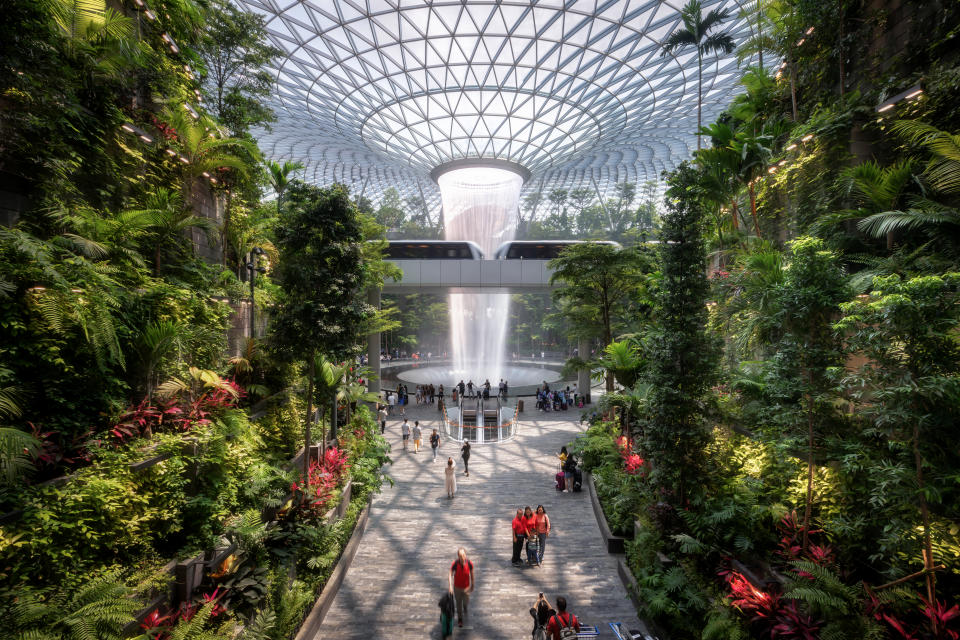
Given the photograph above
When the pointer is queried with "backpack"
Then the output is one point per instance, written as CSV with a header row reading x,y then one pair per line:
x,y
570,463
567,632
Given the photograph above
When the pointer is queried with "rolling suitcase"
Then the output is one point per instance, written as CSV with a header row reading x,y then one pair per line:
x,y
559,480
577,479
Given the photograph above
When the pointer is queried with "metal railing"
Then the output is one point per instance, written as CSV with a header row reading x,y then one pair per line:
x,y
479,420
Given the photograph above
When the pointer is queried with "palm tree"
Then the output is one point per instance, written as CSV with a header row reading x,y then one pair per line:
x,y
203,154
279,177
168,220
781,37
696,32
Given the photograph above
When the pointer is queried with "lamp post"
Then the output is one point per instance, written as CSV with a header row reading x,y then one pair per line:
x,y
253,268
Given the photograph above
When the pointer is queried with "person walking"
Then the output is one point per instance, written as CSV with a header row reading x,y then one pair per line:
x,y
391,402
416,436
460,583
434,443
450,480
382,414
563,625
405,430
543,530
465,454
530,527
519,528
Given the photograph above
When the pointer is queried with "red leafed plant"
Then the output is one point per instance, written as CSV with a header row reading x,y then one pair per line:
x,y
632,462
158,625
777,617
54,455
946,619
322,479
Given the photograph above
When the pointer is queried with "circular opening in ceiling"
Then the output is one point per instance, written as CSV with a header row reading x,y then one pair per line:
x,y
480,163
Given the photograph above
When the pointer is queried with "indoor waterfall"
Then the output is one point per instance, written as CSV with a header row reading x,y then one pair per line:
x,y
480,205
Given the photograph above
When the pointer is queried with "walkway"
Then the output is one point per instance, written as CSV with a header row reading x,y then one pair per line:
x,y
399,572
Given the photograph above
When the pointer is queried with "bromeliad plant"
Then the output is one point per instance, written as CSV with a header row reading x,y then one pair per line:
x,y
322,480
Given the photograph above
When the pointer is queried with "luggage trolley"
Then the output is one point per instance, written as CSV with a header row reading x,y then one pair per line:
x,y
622,633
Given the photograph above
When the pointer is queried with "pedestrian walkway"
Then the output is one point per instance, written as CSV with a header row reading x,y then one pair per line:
x,y
400,570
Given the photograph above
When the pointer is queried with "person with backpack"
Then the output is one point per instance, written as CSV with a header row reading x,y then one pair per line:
x,y
460,583
434,443
563,625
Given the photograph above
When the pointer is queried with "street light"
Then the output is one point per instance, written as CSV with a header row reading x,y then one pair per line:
x,y
253,268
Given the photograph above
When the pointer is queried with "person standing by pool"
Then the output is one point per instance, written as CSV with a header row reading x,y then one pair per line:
x,y
543,530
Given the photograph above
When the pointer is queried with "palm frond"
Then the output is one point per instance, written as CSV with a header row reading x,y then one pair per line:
x,y
880,224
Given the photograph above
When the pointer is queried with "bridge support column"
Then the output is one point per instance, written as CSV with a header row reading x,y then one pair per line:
x,y
583,376
373,347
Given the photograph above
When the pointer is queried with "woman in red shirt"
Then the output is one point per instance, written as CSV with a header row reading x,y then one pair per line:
x,y
530,523
519,527
543,530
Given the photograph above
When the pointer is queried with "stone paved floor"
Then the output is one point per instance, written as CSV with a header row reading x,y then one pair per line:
x,y
399,572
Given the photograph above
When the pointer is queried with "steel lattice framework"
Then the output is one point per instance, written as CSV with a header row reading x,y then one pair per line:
x,y
376,93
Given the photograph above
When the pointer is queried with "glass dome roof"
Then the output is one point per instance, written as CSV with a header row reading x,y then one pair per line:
x,y
377,93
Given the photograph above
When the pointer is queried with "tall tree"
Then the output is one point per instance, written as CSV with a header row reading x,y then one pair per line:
x,y
279,176
907,330
601,282
319,312
682,354
696,33
236,59
809,302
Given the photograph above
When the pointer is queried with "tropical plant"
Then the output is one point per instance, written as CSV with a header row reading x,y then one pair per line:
x,y
683,356
99,609
17,448
696,32
601,283
906,329
279,176
783,30
167,221
320,237
623,359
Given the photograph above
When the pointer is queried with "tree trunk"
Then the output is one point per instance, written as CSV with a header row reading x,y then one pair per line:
x,y
307,434
793,89
808,507
931,578
760,33
736,214
843,75
700,92
226,227
753,208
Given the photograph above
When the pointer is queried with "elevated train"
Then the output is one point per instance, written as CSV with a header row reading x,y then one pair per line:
x,y
465,250
539,249
433,250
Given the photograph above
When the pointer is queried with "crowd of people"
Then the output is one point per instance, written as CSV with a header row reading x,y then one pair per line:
x,y
558,399
530,528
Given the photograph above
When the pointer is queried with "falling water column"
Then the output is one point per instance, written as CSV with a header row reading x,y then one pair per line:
x,y
480,205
